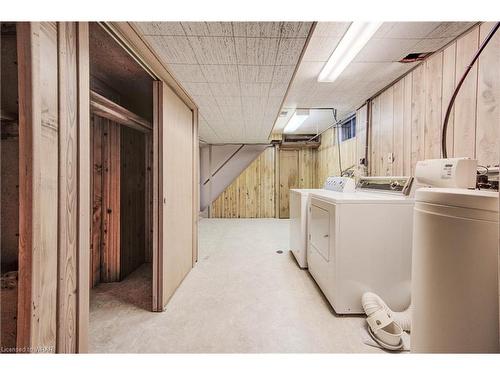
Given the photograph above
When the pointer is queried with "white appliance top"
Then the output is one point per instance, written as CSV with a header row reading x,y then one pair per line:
x,y
362,197
305,191
464,198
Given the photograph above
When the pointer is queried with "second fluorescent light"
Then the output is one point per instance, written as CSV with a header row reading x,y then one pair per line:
x,y
297,119
356,37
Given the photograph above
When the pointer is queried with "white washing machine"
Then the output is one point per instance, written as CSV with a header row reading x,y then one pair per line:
x,y
299,202
360,242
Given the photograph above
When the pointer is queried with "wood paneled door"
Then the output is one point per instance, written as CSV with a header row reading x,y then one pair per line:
x,y
174,195
288,179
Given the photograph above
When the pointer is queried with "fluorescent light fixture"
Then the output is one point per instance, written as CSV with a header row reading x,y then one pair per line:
x,y
356,37
297,119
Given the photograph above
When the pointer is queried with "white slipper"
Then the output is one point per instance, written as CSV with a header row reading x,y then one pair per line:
x,y
384,330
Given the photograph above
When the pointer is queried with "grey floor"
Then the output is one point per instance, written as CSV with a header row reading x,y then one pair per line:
x,y
241,297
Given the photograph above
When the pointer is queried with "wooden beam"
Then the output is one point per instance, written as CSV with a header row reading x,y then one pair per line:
x,y
67,281
104,107
84,191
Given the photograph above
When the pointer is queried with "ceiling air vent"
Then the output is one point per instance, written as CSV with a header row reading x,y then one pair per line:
x,y
412,57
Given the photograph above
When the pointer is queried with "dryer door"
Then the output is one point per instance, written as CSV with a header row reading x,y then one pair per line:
x,y
320,229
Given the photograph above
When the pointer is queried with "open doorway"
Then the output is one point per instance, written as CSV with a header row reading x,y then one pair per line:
x,y
121,187
10,187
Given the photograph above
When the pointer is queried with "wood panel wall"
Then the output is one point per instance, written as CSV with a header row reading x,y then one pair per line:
x,y
252,194
132,200
327,158
407,117
261,190
54,186
106,159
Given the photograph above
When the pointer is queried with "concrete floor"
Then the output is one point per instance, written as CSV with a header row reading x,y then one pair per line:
x,y
242,297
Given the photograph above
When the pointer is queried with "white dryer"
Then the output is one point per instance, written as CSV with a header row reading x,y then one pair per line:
x,y
299,203
361,241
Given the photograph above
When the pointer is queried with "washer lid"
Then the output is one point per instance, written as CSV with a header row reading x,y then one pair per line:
x,y
466,198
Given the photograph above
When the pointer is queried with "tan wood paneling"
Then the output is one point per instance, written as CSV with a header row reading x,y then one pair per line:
x,y
84,187
465,103
132,200
54,187
252,193
375,138
488,99
433,90
110,247
97,199
29,117
398,129
38,131
473,125
68,179
386,132
289,179
361,134
177,184
407,107
307,162
267,184
417,115
449,56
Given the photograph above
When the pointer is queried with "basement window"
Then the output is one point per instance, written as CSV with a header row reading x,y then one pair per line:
x,y
348,128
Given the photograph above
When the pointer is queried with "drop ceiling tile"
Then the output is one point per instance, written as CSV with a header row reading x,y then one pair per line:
x,y
208,28
213,50
255,73
320,48
256,51
289,50
295,29
212,116
206,102
187,72
450,29
197,88
278,89
406,30
255,89
206,133
254,103
386,50
283,74
220,73
160,28
173,49
308,71
228,101
431,45
328,29
225,89
257,29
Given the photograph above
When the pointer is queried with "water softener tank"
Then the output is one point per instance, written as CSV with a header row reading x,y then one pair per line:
x,y
455,271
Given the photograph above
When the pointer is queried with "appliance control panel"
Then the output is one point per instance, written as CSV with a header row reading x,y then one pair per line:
x,y
340,184
391,184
